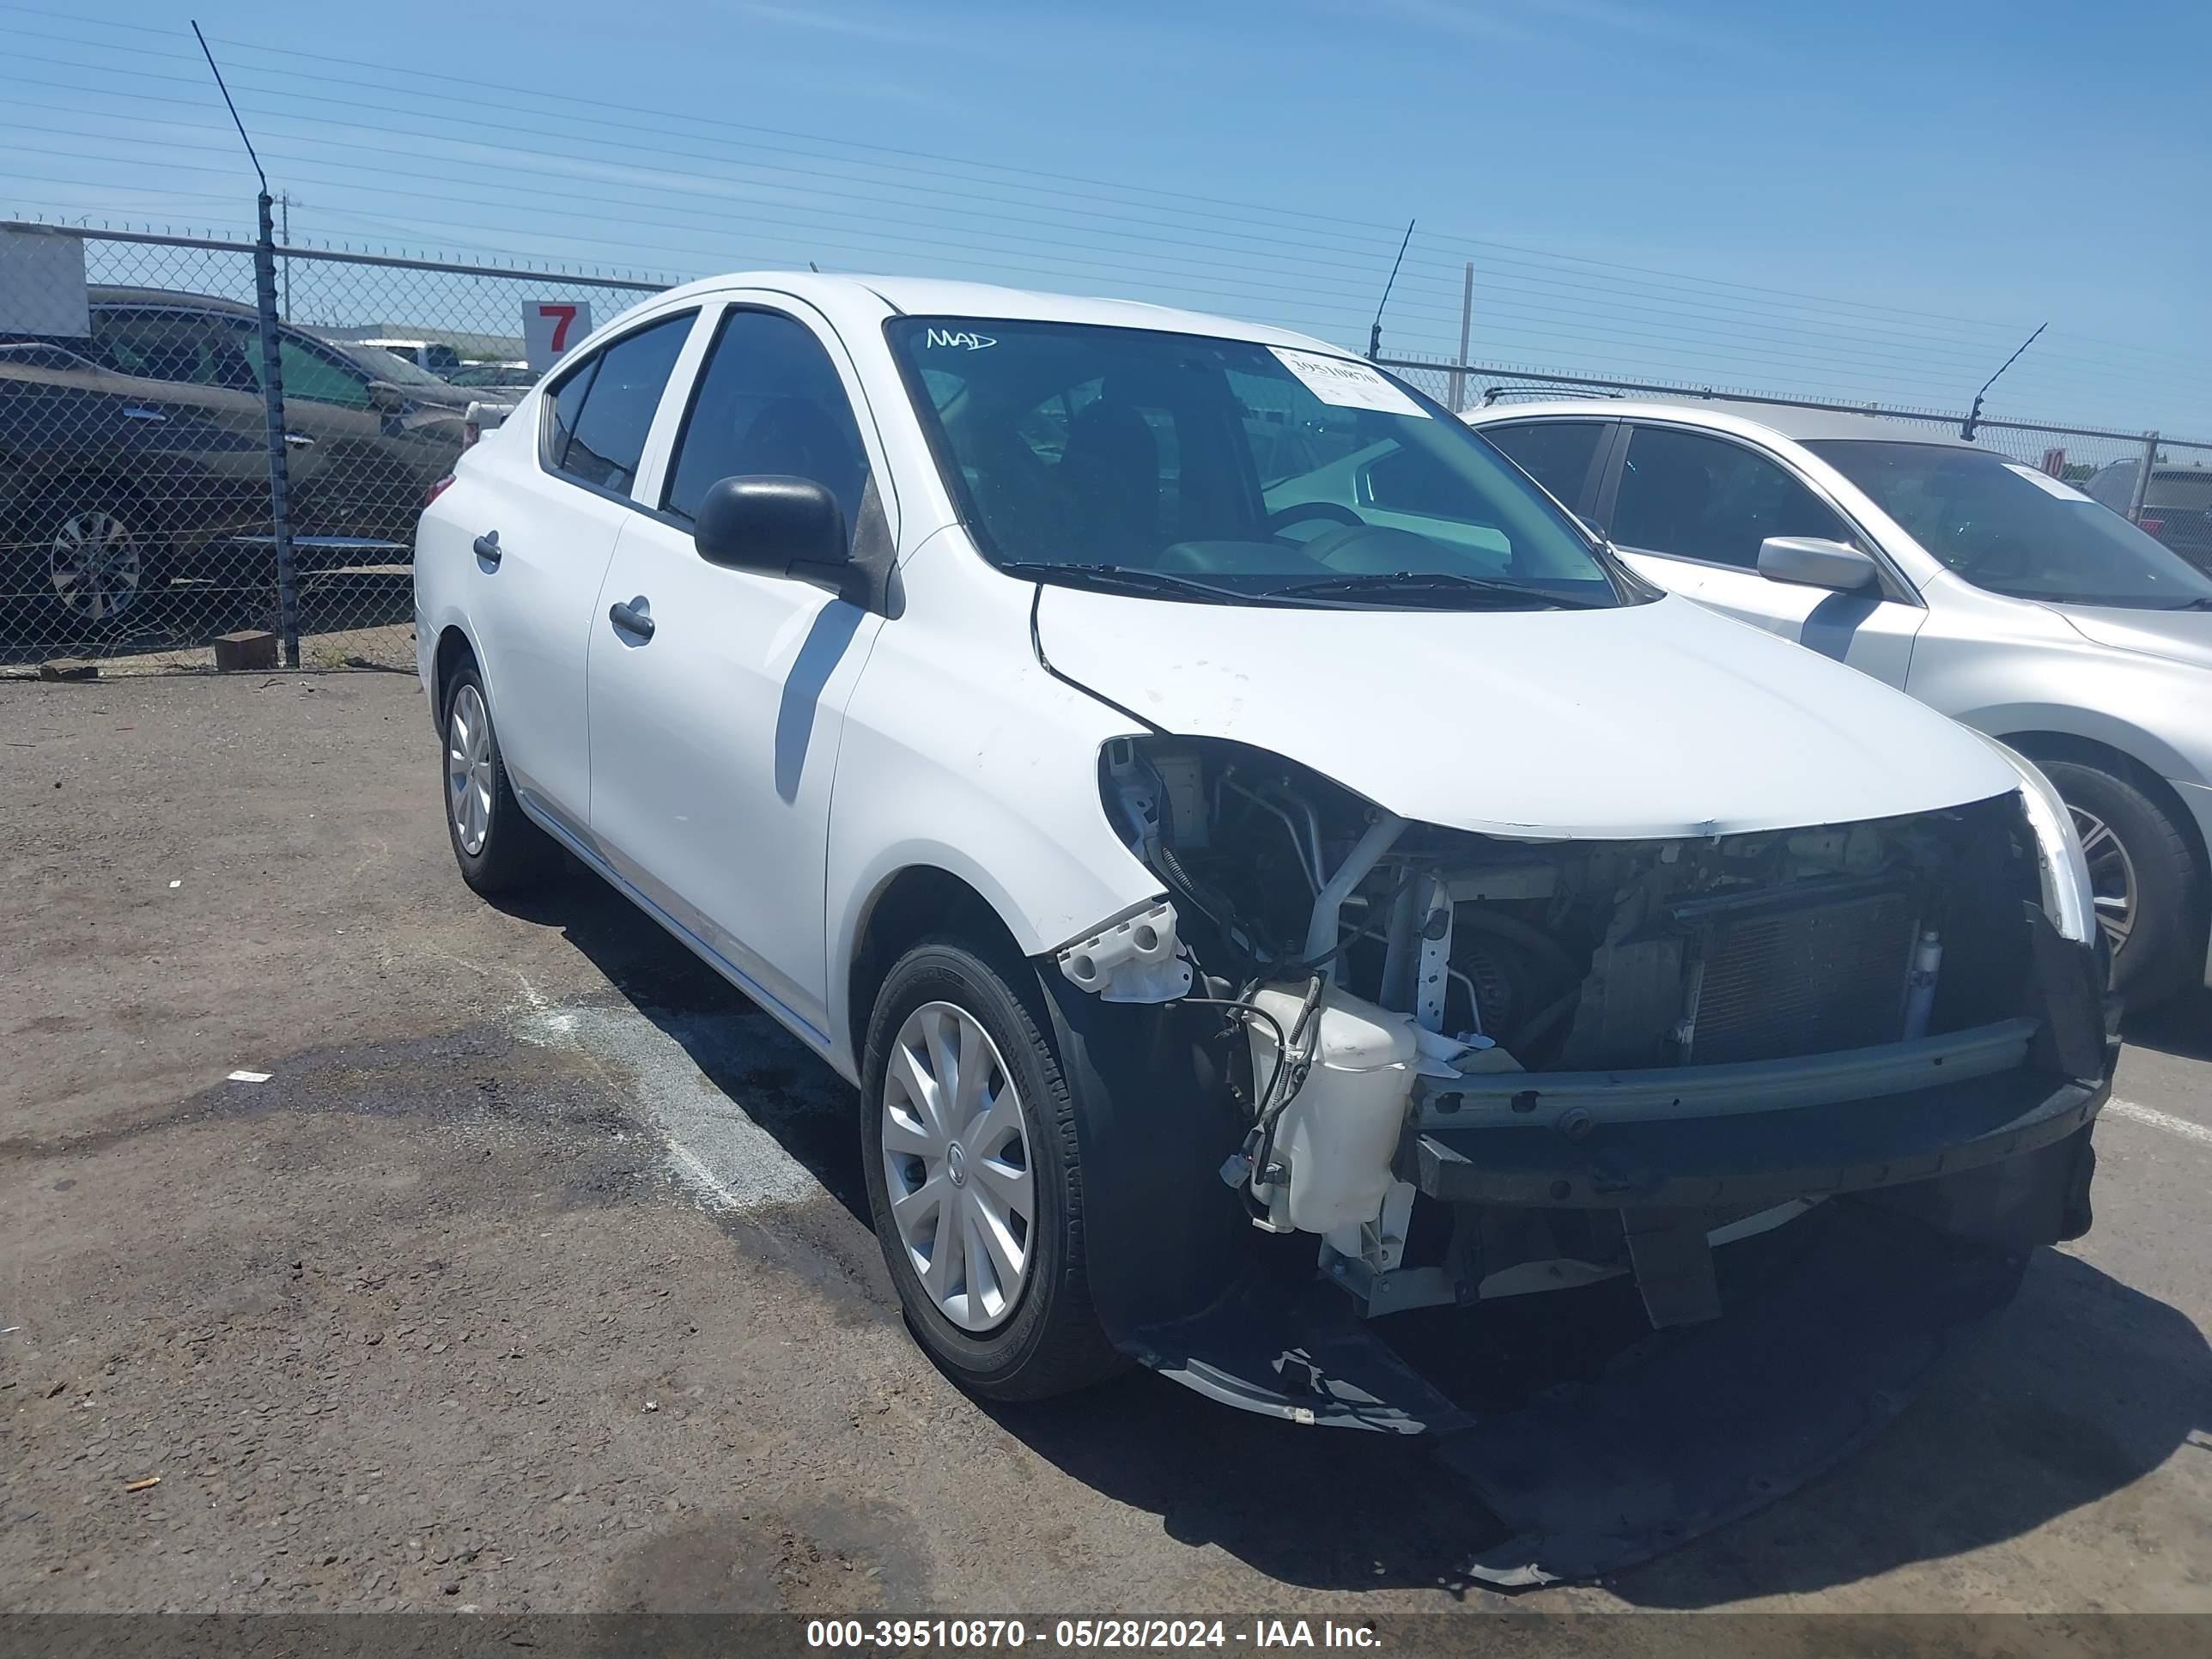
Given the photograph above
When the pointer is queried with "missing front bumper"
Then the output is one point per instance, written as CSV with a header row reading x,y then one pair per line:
x,y
1573,1147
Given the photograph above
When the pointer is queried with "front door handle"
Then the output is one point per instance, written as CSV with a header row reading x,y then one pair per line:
x,y
631,618
299,441
487,547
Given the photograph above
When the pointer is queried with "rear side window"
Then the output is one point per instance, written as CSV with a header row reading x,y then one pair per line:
x,y
598,416
1557,454
1700,497
191,347
769,401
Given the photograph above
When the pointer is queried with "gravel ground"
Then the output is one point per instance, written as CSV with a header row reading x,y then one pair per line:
x,y
532,1278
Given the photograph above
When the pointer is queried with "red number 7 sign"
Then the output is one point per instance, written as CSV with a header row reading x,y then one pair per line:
x,y
549,327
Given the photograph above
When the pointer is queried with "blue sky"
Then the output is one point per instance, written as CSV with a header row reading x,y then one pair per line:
x,y
1611,166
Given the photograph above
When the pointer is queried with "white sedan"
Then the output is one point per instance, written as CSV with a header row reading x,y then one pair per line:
x,y
1221,815
2000,596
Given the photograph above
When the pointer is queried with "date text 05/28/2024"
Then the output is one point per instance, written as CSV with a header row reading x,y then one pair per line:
x,y
1069,1634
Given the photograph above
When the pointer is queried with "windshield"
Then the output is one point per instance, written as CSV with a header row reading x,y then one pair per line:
x,y
2012,530
389,365
1228,471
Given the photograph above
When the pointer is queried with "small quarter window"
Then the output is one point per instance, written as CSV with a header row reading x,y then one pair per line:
x,y
1557,454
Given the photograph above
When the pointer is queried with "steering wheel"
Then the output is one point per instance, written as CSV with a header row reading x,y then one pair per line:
x,y
1283,518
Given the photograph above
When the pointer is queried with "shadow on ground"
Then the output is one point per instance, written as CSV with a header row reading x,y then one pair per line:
x,y
2182,1028
2082,1387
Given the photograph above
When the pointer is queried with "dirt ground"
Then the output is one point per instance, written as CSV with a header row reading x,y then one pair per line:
x,y
532,1277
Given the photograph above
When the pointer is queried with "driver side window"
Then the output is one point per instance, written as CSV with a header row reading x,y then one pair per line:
x,y
1692,496
768,401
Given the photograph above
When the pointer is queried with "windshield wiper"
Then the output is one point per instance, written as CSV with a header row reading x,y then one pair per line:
x,y
1410,582
1132,579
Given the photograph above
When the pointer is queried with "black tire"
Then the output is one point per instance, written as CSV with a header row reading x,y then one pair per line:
x,y
2160,956
1050,1341
515,854
98,607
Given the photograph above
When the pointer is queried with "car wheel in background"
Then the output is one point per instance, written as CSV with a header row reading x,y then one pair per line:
x,y
87,556
499,849
969,1146
2144,870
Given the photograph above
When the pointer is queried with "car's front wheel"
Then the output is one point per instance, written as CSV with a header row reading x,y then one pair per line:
x,y
499,849
974,1174
2149,892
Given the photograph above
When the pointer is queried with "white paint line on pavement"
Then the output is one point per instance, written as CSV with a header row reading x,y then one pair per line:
x,y
692,1170
2158,1120
717,1150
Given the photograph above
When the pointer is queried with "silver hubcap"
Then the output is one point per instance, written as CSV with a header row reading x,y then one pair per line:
x,y
95,566
957,1165
468,769
2112,879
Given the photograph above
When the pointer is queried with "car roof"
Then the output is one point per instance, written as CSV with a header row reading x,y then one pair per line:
x,y
928,296
106,293
1741,418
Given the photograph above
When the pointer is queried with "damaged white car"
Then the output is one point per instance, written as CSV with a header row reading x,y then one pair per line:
x,y
1264,864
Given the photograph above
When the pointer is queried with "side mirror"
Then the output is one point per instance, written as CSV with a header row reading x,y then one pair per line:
x,y
777,526
1815,561
1595,529
386,399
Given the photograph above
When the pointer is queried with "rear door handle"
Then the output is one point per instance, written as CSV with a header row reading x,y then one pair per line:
x,y
630,619
137,414
299,441
488,547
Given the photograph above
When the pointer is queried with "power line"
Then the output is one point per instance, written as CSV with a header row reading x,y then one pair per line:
x,y
1056,180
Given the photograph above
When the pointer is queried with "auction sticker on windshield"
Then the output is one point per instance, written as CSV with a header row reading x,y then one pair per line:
x,y
1349,385
2048,485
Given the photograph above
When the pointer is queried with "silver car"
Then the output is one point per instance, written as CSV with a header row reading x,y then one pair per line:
x,y
1999,595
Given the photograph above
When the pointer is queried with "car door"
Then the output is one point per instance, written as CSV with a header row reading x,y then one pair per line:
x,y
548,528
718,695
370,470
1689,509
211,388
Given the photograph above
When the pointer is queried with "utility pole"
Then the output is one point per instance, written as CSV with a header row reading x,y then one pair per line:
x,y
1465,323
2143,470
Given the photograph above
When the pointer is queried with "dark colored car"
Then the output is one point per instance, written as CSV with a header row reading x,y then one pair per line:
x,y
2177,504
139,453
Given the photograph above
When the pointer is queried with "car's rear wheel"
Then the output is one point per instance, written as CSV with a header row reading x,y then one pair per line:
x,y
2142,869
87,555
498,848
974,1174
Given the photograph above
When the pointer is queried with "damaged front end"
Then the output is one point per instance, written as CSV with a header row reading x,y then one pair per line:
x,y
1470,1067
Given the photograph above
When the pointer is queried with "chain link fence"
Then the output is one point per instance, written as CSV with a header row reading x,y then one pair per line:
x,y
143,393
157,390
2164,484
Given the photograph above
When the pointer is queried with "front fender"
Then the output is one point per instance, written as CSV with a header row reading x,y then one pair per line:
x,y
960,753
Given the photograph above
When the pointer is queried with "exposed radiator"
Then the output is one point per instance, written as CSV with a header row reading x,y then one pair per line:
x,y
1803,975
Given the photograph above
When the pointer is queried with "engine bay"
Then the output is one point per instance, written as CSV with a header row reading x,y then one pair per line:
x,y
1367,968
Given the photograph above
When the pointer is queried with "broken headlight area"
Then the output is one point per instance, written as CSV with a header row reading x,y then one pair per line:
x,y
1478,1067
